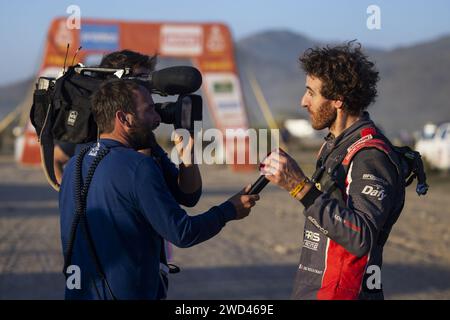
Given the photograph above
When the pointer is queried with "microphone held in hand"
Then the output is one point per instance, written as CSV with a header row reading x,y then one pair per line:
x,y
258,185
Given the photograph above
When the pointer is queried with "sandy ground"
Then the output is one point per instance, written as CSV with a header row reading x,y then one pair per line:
x,y
255,258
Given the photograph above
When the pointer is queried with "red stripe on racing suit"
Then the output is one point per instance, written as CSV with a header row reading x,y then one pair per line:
x,y
344,272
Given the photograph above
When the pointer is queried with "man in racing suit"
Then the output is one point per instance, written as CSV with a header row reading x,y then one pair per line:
x,y
357,191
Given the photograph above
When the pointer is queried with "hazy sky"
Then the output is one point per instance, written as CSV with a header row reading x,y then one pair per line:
x,y
23,24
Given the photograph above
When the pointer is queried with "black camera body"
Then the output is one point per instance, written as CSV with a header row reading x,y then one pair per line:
x,y
183,113
62,106
180,80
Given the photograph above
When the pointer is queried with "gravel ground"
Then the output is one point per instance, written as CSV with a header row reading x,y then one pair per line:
x,y
255,258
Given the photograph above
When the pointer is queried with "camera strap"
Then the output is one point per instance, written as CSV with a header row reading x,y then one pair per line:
x,y
81,190
42,118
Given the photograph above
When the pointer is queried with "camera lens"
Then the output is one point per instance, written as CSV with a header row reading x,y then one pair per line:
x,y
186,111
167,111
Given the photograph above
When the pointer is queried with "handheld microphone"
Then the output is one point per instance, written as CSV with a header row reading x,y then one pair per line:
x,y
176,80
258,185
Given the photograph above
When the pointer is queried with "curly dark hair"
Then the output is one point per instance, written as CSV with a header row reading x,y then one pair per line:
x,y
346,73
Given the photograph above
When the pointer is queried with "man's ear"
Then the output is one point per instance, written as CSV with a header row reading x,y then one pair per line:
x,y
123,119
338,104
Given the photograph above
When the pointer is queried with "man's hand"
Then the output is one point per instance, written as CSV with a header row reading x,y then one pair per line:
x,y
243,203
280,169
185,149
189,177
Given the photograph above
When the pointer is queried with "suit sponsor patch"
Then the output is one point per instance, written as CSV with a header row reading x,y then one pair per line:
x,y
311,240
309,269
315,223
368,176
376,191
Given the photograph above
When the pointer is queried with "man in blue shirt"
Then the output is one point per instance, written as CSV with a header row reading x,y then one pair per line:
x,y
184,182
129,208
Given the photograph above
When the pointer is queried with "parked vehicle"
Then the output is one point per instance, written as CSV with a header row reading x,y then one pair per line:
x,y
434,145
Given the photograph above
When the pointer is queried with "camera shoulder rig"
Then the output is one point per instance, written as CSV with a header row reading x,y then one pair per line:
x,y
61,110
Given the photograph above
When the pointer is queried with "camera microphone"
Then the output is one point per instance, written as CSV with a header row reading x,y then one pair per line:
x,y
176,80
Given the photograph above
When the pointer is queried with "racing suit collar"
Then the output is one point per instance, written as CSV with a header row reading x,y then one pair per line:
x,y
364,120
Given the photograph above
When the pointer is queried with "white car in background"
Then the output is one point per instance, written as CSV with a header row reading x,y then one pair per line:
x,y
434,145
300,128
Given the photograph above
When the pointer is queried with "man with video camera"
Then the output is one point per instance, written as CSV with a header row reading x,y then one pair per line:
x,y
123,205
357,191
184,182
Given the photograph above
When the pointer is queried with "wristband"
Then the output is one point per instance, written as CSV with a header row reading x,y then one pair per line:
x,y
298,188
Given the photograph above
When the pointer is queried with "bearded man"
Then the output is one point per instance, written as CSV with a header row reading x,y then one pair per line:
x,y
357,191
116,207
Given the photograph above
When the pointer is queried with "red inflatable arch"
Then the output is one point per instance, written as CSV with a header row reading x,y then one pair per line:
x,y
208,45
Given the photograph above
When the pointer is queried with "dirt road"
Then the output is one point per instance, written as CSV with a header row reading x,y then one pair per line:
x,y
255,258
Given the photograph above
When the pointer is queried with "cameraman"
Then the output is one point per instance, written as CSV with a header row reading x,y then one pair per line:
x,y
129,207
185,183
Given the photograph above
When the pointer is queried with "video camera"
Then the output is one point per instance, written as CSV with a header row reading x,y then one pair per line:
x,y
180,80
61,107
64,103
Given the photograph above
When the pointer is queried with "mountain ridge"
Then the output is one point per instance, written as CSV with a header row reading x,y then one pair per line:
x,y
414,80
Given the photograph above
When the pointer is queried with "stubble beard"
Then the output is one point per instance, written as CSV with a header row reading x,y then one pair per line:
x,y
324,117
141,137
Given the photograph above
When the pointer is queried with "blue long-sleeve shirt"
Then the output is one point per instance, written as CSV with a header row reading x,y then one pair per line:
x,y
129,209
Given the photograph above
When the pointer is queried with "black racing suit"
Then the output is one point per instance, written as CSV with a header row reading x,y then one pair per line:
x,y
349,215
